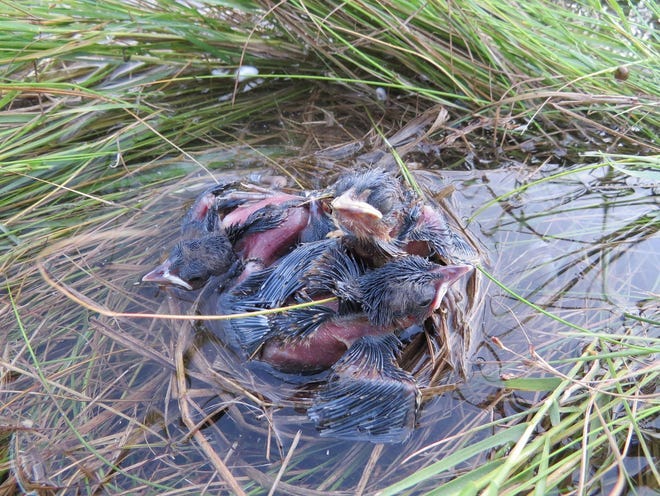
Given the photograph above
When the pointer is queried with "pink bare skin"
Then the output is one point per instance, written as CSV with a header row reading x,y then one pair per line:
x,y
240,214
322,349
269,245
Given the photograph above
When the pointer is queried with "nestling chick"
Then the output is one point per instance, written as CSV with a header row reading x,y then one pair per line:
x,y
192,262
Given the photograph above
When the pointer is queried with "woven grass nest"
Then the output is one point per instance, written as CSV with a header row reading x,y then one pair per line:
x,y
357,296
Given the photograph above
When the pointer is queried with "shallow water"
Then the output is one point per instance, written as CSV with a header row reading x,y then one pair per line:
x,y
581,246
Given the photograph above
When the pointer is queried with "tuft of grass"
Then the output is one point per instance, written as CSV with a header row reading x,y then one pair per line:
x,y
539,63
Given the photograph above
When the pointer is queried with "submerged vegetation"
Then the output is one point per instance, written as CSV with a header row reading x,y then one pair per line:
x,y
544,121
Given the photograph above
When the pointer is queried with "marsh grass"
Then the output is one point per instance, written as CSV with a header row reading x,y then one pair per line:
x,y
114,114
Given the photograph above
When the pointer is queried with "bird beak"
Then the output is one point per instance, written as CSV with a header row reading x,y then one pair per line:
x,y
201,208
450,274
453,273
351,206
162,275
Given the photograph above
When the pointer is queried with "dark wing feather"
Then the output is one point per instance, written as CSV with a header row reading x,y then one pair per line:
x,y
368,397
287,278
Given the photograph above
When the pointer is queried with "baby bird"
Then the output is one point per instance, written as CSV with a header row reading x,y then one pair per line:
x,y
203,251
267,224
284,283
399,294
368,208
192,262
425,232
233,222
368,397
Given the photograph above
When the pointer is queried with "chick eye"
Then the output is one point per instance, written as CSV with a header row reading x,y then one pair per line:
x,y
426,296
382,202
196,282
195,271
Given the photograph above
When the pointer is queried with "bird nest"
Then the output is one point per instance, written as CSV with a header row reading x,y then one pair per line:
x,y
356,296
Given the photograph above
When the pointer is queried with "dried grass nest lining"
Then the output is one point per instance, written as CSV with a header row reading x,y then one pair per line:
x,y
358,264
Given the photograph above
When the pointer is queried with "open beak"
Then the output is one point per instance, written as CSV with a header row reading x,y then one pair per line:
x,y
352,207
453,273
162,275
450,274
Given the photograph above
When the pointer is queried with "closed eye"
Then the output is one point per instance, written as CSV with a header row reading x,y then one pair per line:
x,y
426,297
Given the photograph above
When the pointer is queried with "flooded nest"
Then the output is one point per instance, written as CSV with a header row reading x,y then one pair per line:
x,y
225,401
338,279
